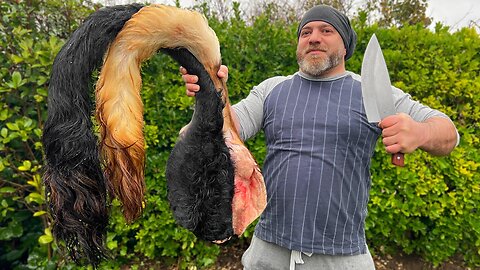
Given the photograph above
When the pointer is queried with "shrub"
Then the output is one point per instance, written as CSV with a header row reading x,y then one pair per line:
x,y
430,207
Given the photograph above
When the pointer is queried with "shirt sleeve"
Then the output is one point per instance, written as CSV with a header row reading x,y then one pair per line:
x,y
404,103
419,112
249,111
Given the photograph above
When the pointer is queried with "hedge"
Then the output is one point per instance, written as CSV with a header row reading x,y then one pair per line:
x,y
429,208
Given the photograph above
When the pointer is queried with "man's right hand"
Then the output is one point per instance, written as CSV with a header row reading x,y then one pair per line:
x,y
191,80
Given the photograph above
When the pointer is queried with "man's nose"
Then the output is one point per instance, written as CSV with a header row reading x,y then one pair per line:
x,y
315,37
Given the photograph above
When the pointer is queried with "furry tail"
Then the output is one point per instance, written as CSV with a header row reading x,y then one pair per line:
x,y
200,171
75,185
119,106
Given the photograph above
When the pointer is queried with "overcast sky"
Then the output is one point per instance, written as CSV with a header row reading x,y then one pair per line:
x,y
454,13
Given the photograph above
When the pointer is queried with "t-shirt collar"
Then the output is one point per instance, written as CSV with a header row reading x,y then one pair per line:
x,y
333,78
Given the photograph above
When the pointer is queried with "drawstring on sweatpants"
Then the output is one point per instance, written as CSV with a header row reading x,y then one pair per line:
x,y
296,258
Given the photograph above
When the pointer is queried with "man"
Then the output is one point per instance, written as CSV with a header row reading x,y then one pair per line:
x,y
319,146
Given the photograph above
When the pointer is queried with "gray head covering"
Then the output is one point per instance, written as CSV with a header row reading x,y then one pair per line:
x,y
336,19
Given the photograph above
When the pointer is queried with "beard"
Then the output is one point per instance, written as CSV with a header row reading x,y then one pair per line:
x,y
317,65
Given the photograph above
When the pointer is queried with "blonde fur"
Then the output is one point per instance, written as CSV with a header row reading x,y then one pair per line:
x,y
119,105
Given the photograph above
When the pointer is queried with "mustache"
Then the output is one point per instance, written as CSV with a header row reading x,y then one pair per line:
x,y
316,48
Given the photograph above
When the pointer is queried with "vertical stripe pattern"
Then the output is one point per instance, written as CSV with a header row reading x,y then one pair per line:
x,y
319,146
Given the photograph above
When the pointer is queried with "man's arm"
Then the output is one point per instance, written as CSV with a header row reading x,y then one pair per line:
x,y
248,113
436,135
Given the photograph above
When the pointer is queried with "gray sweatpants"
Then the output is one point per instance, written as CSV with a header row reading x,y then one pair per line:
x,y
263,255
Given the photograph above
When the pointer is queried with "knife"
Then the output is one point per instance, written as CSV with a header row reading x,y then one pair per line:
x,y
376,89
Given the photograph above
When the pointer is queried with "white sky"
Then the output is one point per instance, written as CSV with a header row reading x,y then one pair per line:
x,y
453,13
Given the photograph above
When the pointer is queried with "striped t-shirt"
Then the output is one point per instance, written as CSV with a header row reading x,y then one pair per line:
x,y
319,147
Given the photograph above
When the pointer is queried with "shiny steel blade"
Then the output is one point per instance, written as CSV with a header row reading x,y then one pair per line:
x,y
376,86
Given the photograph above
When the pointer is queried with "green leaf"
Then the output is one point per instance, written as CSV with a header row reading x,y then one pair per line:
x,y
14,255
42,91
34,183
7,190
17,59
41,81
35,197
112,244
38,132
4,132
13,126
38,98
27,123
16,79
4,114
13,230
26,166
45,239
4,203
39,213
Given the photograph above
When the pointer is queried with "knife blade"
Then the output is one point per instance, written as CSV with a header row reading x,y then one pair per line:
x,y
377,89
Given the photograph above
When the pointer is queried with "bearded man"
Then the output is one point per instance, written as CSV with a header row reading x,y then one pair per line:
x,y
319,148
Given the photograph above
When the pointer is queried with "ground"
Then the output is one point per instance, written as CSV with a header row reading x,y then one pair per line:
x,y
231,254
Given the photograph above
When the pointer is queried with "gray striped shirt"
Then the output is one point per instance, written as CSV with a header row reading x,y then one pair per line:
x,y
319,147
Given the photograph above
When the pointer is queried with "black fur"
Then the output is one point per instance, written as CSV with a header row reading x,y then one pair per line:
x,y
200,172
75,184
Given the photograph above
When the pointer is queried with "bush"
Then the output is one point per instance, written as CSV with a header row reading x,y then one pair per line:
x,y
430,207
29,40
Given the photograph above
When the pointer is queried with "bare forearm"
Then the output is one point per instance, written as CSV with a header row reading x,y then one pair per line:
x,y
440,136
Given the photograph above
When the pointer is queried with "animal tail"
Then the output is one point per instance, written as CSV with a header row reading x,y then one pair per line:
x,y
119,106
76,188
200,171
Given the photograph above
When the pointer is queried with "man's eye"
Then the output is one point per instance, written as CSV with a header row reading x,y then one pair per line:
x,y
304,33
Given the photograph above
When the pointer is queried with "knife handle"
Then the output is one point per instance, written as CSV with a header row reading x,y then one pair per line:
x,y
398,159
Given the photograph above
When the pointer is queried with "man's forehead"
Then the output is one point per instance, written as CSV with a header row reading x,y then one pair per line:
x,y
317,24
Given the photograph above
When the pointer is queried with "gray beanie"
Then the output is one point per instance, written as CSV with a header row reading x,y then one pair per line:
x,y
336,19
